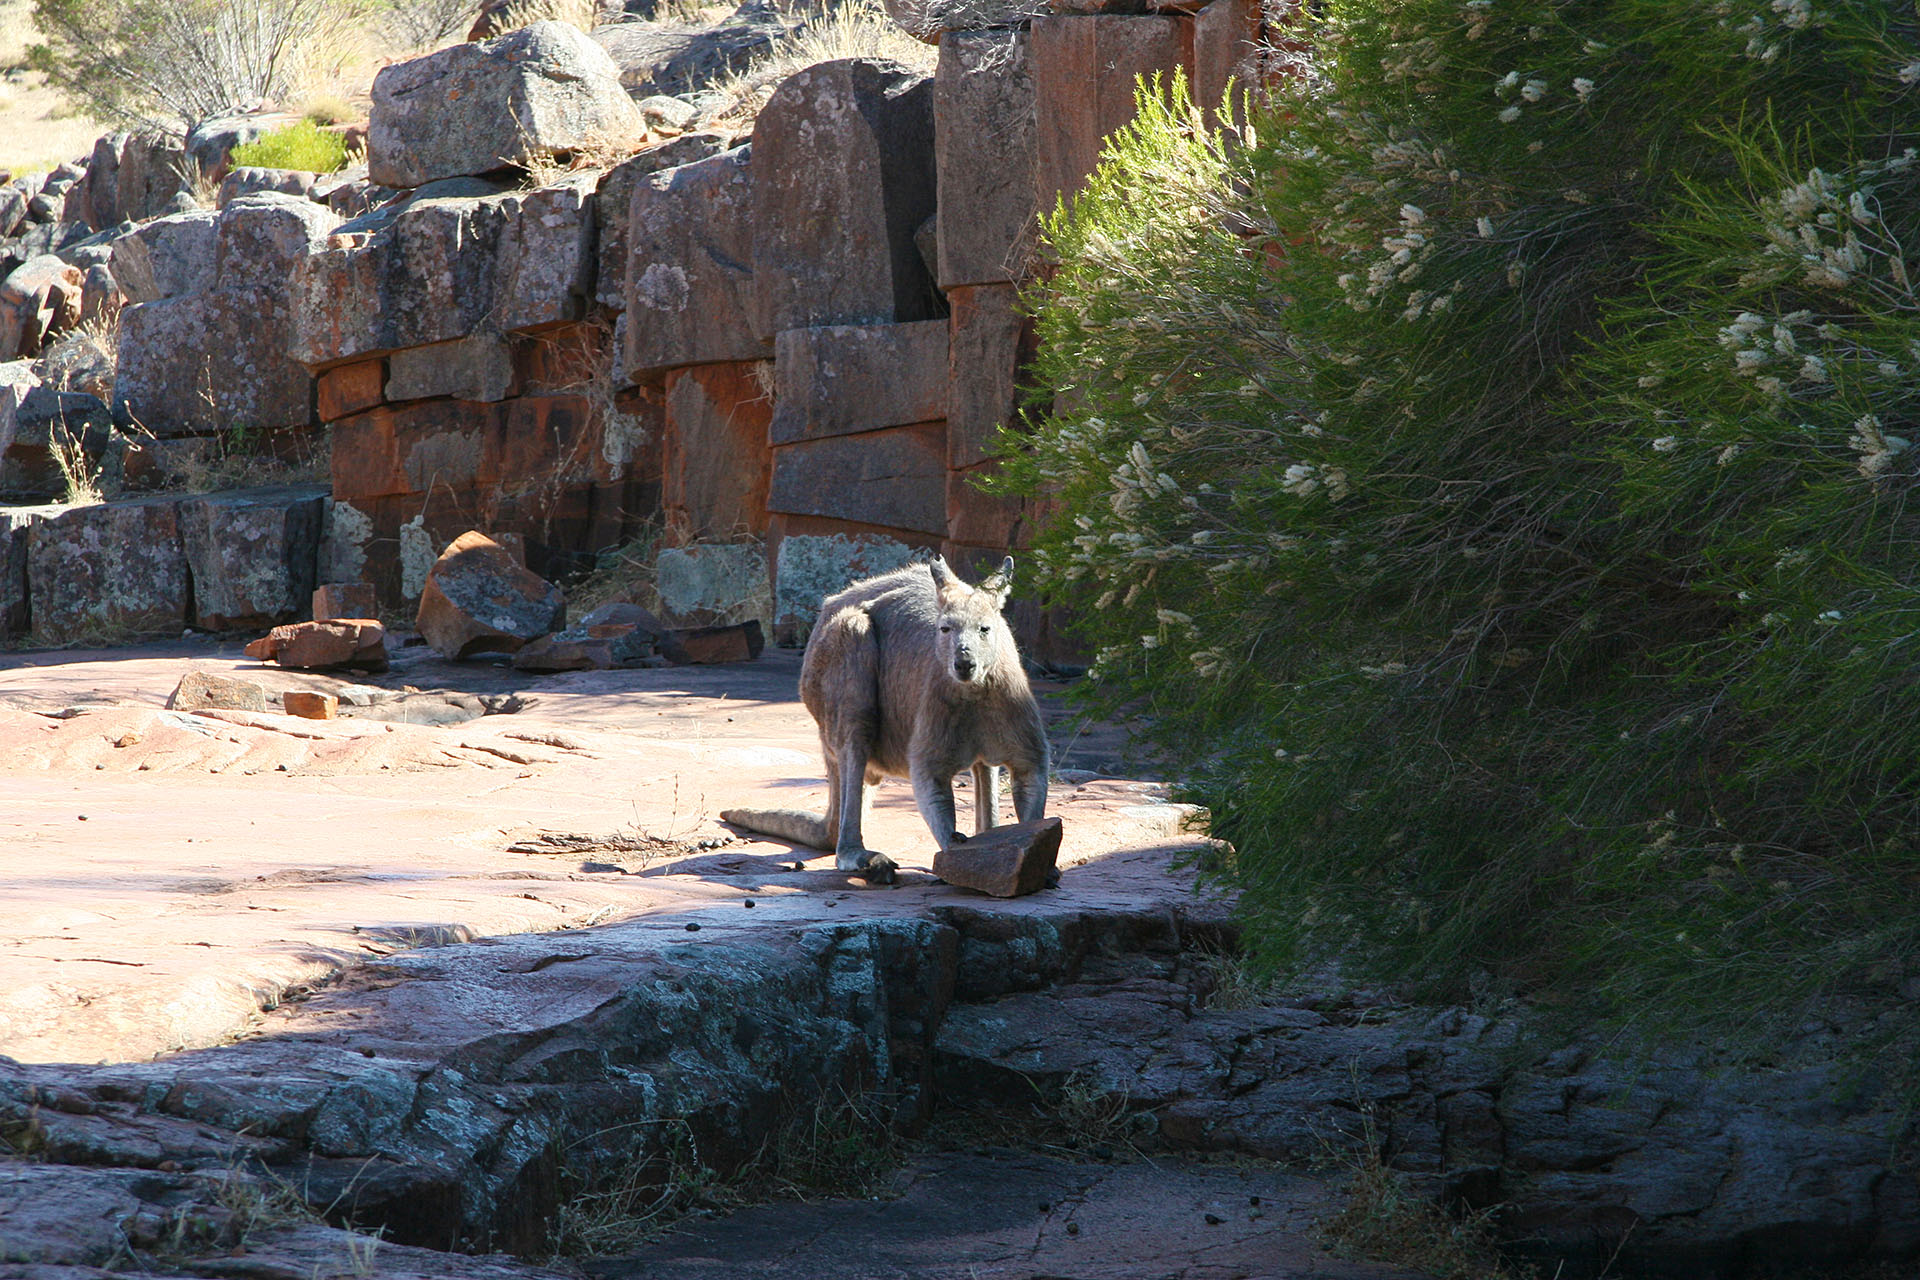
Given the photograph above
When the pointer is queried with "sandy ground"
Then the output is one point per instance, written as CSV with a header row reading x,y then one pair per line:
x,y
166,877
38,127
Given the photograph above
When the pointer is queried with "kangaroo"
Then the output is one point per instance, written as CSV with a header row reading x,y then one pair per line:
x,y
914,674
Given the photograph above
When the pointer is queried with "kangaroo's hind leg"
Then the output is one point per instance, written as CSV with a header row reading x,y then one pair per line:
x,y
840,682
986,798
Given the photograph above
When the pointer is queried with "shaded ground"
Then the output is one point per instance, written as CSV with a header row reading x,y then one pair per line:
x,y
975,1217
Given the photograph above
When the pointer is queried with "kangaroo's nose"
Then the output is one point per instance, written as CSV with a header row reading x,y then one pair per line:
x,y
963,667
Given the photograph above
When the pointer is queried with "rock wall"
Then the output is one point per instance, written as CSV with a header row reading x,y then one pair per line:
x,y
452,1097
807,333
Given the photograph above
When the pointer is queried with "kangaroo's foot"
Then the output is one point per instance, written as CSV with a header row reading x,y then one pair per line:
x,y
875,868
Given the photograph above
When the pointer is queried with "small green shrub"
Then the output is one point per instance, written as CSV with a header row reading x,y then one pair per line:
x,y
1490,467
301,145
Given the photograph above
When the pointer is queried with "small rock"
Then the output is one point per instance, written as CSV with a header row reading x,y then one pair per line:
x,y
198,690
668,114
336,642
343,600
1006,862
705,646
1214,1219
309,705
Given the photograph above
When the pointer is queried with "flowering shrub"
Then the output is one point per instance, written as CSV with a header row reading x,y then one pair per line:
x,y
1488,462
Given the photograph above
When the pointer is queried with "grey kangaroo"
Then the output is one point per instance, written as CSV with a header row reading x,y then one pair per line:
x,y
914,674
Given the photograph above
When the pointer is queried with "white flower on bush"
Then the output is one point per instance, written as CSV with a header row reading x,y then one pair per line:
x,y
1910,74
1877,450
1302,479
1794,13
1813,369
1666,444
1773,387
1749,361
1582,88
1484,225
1412,214
1509,115
1533,90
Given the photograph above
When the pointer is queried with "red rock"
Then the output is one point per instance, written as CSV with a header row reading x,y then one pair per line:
x,y
1084,68
991,345
351,388
690,296
1228,36
336,642
984,519
840,379
478,599
707,646
309,705
1007,862
895,479
843,176
986,154
714,455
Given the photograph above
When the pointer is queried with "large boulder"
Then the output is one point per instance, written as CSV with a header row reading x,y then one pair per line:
x,y
108,570
843,177
461,257
689,276
543,90
253,555
479,599
248,180
809,567
153,177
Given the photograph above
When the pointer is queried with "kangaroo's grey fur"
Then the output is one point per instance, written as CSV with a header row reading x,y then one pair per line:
x,y
915,674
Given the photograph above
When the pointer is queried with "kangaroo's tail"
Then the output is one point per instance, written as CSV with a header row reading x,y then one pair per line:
x,y
801,826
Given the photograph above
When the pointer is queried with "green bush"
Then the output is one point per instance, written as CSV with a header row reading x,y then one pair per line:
x,y
1489,467
301,145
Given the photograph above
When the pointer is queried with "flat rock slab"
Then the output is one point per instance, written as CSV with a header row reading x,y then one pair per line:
x,y
208,863
971,1217
1007,862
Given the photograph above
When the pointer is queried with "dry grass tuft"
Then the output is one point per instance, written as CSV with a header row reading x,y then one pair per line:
x,y
858,29
1385,1220
584,14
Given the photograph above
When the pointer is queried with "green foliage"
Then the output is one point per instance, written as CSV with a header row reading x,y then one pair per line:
x,y
1489,466
301,145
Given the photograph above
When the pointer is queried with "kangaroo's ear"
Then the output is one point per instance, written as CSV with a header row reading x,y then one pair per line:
x,y
943,577
1000,582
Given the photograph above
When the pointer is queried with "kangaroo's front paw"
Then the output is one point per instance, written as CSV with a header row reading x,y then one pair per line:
x,y
955,838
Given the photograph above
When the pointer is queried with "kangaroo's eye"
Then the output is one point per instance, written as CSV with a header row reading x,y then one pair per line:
x,y
985,628
945,630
